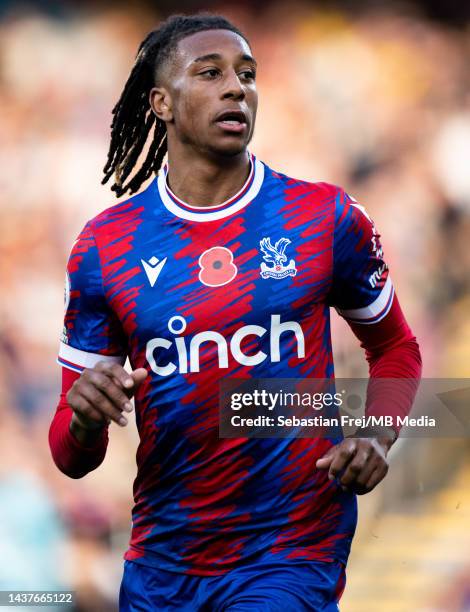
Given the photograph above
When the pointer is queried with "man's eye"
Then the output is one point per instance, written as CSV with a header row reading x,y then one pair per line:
x,y
249,75
211,73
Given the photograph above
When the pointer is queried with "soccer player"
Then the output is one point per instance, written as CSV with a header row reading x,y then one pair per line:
x,y
222,267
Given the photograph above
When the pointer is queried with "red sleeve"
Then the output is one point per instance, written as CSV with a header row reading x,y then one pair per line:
x,y
70,456
392,353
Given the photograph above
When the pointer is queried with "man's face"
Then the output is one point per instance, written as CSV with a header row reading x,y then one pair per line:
x,y
207,94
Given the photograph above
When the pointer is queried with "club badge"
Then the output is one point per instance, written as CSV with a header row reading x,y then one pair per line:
x,y
275,257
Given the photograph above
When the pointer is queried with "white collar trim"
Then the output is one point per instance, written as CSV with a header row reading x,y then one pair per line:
x,y
193,215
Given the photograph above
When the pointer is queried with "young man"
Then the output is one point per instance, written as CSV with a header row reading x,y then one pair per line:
x,y
190,280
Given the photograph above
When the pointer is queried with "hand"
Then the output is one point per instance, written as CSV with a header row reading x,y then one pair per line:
x,y
359,464
101,394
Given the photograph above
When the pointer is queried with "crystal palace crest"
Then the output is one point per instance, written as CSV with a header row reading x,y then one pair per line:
x,y
275,259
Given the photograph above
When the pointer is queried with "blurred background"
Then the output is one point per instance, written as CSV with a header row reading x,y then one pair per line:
x,y
372,97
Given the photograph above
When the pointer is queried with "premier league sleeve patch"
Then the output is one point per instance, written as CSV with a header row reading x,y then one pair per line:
x,y
66,291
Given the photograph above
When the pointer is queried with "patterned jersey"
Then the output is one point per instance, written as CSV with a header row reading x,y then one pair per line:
x,y
197,294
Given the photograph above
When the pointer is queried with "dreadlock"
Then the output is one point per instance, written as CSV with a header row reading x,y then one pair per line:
x,y
133,118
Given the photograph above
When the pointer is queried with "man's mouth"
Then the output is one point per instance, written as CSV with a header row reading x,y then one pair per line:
x,y
233,121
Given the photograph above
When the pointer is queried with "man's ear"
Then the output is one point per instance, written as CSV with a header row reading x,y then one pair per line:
x,y
160,102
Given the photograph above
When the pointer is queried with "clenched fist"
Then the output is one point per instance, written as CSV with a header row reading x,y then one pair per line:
x,y
101,395
358,464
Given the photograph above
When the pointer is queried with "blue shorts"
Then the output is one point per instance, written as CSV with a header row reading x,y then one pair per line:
x,y
262,587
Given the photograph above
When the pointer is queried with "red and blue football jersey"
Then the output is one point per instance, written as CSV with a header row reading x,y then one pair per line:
x,y
196,294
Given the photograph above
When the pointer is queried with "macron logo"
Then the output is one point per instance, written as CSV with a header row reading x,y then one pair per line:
x,y
152,268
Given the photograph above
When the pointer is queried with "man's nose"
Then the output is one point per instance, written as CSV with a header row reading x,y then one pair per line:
x,y
232,87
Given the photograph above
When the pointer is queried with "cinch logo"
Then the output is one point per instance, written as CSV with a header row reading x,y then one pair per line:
x,y
177,326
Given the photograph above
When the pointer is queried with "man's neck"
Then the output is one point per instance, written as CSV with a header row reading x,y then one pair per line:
x,y
203,181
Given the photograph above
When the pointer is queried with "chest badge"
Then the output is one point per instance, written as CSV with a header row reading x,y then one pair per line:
x,y
217,267
275,257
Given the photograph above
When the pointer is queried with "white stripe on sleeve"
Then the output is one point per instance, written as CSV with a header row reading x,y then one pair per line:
x,y
82,359
373,312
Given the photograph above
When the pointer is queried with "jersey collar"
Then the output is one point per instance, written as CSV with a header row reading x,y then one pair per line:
x,y
213,213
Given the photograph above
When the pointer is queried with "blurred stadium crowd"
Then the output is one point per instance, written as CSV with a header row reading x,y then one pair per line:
x,y
377,103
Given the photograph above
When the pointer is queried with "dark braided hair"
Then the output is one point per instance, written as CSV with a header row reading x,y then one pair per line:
x,y
133,117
